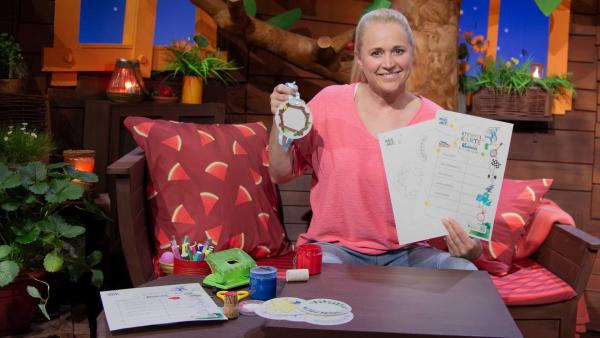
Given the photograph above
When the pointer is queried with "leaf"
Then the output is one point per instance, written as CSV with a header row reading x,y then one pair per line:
x,y
28,237
10,206
547,6
97,278
53,262
42,307
32,172
57,165
201,41
5,250
62,190
250,7
82,175
39,188
70,231
8,271
375,5
8,179
30,199
94,258
33,292
286,19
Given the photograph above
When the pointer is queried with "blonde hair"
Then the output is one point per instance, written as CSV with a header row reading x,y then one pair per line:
x,y
381,15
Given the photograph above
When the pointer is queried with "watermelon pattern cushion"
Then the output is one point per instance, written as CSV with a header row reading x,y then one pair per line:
x,y
211,182
518,201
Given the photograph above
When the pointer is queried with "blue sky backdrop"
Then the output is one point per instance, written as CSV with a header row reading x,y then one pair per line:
x,y
522,33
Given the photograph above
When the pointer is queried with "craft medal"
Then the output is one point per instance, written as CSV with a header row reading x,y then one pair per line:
x,y
293,119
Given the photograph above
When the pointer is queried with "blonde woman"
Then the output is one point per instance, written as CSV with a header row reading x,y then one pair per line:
x,y
352,218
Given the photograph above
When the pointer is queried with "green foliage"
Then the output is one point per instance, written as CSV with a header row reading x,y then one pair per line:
x,y
37,231
11,60
547,6
375,5
20,145
287,19
511,77
250,8
187,60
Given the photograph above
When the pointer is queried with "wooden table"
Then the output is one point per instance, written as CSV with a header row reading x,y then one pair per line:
x,y
386,301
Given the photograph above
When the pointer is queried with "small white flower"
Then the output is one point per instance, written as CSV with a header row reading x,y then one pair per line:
x,y
9,132
5,138
23,128
24,123
11,127
34,135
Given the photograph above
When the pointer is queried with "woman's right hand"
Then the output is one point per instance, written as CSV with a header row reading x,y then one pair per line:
x,y
280,94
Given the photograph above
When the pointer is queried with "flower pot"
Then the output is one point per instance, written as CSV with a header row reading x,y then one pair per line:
x,y
192,90
17,307
533,105
11,86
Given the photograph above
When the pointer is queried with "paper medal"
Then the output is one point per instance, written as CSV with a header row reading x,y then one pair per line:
x,y
293,119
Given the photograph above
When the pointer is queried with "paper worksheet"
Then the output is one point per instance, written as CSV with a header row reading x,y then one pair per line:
x,y
158,305
449,167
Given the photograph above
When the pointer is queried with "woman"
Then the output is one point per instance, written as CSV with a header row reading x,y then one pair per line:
x,y
352,219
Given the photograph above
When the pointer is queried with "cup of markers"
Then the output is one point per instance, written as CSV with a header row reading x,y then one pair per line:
x,y
189,258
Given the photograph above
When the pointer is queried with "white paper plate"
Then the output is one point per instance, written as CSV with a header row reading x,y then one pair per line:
x,y
283,306
293,119
325,307
329,320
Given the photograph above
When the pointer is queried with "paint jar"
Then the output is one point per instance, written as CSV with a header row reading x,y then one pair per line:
x,y
309,256
263,282
187,267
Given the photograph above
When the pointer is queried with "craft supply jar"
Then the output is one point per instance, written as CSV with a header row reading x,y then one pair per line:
x,y
309,256
230,305
187,267
263,282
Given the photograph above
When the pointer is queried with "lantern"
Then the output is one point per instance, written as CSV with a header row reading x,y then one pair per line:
x,y
126,84
82,160
537,70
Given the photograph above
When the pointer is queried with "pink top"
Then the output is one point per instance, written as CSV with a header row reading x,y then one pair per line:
x,y
349,195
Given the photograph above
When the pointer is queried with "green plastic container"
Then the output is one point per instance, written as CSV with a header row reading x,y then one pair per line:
x,y
230,268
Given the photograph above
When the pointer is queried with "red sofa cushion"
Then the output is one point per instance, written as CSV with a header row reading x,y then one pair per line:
x,y
211,181
531,284
518,201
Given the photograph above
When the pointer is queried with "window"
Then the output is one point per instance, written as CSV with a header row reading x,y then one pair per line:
x,y
174,21
101,21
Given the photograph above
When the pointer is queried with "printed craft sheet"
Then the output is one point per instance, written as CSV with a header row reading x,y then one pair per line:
x,y
129,308
451,166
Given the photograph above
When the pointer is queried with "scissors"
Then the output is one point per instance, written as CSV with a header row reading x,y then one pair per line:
x,y
240,295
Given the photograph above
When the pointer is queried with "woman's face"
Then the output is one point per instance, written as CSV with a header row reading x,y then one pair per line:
x,y
385,56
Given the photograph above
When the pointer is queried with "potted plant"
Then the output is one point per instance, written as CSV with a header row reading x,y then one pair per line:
x,y
37,237
507,90
195,60
12,67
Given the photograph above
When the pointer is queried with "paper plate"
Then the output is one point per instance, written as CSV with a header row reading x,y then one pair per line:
x,y
248,307
293,119
325,307
283,306
329,320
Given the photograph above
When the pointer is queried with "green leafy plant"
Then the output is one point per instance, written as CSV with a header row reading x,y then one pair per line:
x,y
11,60
187,59
20,145
37,231
512,77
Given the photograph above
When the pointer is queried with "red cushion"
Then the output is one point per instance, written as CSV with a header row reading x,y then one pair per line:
x,y
517,203
211,181
532,284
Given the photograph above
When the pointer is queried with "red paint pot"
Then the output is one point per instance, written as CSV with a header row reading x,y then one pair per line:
x,y
186,267
309,256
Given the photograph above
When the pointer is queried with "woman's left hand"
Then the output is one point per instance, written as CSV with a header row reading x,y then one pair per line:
x,y
460,244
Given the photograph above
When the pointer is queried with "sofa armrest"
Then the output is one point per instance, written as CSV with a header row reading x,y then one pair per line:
x,y
569,253
129,175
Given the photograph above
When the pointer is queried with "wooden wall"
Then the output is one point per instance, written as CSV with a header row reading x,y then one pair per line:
x,y
567,150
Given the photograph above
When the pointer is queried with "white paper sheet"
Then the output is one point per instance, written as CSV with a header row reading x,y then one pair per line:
x,y
158,305
451,166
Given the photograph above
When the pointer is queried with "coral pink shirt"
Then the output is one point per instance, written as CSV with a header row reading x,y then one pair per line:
x,y
349,195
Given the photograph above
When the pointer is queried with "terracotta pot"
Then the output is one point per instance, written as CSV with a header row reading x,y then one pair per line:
x,y
192,90
17,307
11,86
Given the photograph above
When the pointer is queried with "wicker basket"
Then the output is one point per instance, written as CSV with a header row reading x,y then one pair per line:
x,y
18,108
534,105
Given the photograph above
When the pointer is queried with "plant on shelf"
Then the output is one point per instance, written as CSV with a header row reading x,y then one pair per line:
x,y
195,60
38,201
12,66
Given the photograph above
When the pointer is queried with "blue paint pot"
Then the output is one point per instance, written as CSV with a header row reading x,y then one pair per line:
x,y
263,282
